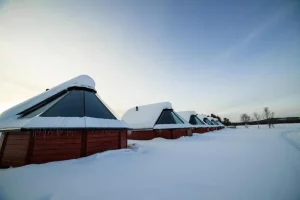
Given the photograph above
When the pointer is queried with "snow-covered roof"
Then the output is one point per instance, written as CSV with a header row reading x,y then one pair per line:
x,y
79,81
213,120
145,117
217,120
186,115
202,117
14,118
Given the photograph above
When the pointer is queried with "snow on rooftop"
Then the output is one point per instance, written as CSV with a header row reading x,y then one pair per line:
x,y
79,81
186,115
145,117
10,119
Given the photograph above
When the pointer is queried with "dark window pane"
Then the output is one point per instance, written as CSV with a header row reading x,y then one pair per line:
x,y
95,108
199,121
169,117
193,120
69,106
214,122
207,121
43,108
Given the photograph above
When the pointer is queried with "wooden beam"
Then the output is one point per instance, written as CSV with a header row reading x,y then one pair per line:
x,y
29,148
3,147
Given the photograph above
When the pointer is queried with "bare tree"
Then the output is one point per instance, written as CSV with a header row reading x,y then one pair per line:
x,y
272,119
245,119
267,114
257,118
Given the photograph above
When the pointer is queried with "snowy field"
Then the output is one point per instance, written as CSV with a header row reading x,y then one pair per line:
x,y
233,164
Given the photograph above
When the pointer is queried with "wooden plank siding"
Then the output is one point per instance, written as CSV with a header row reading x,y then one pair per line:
x,y
14,150
200,130
55,146
123,139
141,135
177,133
36,147
102,140
163,133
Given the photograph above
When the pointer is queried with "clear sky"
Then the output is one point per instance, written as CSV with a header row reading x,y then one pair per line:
x,y
211,56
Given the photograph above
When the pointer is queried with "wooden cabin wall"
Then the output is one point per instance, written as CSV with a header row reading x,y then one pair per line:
x,y
14,149
123,139
200,130
163,133
141,135
101,140
42,146
177,133
55,145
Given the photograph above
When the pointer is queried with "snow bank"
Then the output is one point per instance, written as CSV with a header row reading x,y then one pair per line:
x,y
231,164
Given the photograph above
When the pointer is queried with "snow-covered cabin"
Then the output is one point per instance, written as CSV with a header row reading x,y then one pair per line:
x,y
205,119
65,122
218,123
192,117
214,121
156,120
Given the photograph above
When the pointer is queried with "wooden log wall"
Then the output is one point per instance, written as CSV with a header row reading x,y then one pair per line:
x,y
55,146
141,135
41,146
14,149
163,133
200,130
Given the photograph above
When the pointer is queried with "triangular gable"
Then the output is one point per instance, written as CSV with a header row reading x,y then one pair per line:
x,y
80,81
74,107
192,118
149,116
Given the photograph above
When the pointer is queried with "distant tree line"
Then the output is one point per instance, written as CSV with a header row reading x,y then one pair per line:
x,y
225,121
266,115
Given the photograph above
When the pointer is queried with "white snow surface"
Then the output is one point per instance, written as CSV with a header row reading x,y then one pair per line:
x,y
229,164
82,81
107,123
172,126
62,122
147,115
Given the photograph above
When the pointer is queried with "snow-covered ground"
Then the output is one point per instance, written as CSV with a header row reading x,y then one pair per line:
x,y
234,164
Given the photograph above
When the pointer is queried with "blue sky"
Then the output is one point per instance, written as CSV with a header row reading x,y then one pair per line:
x,y
211,56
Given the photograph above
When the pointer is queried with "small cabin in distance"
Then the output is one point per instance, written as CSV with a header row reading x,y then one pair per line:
x,y
192,117
156,120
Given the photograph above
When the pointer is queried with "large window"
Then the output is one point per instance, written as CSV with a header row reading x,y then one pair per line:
x,y
169,117
207,121
194,120
69,106
95,108
214,122
75,103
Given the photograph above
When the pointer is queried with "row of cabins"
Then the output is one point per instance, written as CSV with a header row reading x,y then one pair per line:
x,y
71,121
